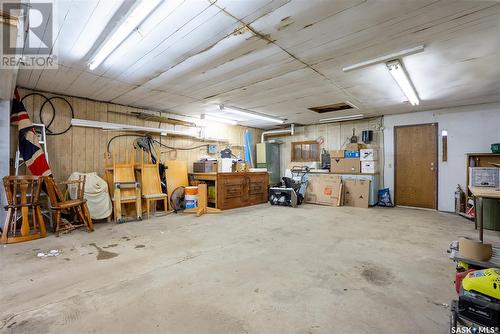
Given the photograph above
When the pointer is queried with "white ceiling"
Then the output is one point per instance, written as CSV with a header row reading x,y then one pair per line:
x,y
279,57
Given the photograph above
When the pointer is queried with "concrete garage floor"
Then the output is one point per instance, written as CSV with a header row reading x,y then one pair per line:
x,y
260,269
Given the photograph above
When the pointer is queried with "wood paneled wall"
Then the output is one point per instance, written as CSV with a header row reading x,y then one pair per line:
x,y
83,149
335,136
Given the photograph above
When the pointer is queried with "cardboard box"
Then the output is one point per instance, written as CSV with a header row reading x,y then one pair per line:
x,y
356,193
345,165
242,167
368,154
337,153
325,189
354,147
351,154
369,167
475,250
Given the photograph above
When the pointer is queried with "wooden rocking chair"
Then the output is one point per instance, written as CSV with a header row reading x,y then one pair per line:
x,y
77,206
22,194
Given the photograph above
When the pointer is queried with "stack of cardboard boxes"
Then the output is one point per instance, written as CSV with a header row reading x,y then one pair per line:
x,y
369,160
354,160
350,188
340,190
346,161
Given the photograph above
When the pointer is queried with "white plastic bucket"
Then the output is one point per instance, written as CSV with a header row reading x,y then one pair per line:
x,y
191,201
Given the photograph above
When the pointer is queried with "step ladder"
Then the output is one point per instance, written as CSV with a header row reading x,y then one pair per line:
x,y
42,139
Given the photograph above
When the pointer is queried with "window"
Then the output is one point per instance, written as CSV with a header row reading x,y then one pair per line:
x,y
305,151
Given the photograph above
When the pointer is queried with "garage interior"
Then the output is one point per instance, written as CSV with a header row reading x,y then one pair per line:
x,y
263,166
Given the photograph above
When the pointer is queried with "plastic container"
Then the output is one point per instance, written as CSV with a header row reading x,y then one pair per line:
x,y
491,214
191,201
351,154
191,191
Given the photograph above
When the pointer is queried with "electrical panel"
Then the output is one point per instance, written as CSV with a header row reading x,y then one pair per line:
x,y
212,148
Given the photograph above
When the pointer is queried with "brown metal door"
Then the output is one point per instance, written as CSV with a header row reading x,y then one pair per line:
x,y
415,150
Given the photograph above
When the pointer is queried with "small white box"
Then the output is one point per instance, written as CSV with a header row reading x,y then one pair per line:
x,y
368,154
369,167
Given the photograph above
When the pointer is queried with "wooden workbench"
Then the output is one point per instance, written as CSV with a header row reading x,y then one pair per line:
x,y
238,189
479,193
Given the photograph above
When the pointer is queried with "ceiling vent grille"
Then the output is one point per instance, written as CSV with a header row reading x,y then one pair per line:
x,y
331,107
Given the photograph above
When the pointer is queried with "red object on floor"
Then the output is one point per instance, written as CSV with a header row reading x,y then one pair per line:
x,y
471,211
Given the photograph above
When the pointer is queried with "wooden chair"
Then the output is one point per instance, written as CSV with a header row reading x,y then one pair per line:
x,y
23,193
77,206
151,186
125,189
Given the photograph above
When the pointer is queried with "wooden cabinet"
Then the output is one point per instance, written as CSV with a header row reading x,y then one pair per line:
x,y
236,190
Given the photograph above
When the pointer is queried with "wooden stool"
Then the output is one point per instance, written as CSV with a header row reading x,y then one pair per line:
x,y
22,194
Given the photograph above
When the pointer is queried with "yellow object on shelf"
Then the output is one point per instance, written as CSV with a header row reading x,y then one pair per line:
x,y
211,192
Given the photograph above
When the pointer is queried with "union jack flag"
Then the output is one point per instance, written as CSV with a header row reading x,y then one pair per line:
x,y
29,147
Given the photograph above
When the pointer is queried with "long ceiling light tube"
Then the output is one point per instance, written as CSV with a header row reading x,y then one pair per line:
x,y
251,114
125,127
341,118
385,58
399,74
219,119
137,14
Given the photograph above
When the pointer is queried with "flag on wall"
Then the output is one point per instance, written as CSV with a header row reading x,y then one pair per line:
x,y
29,147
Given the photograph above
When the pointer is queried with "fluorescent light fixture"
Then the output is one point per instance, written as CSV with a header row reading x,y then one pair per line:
x,y
252,114
125,127
385,58
219,119
399,74
341,118
137,14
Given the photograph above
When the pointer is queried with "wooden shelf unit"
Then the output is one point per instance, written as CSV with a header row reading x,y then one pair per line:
x,y
208,178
